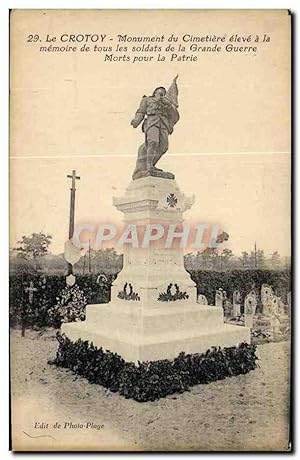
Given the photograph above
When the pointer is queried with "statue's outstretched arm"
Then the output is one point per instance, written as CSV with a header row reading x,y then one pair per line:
x,y
140,113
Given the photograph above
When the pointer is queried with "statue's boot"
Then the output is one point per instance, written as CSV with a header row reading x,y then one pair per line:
x,y
155,169
160,151
147,158
153,155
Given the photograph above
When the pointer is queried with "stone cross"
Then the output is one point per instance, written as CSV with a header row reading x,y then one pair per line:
x,y
72,202
31,289
72,211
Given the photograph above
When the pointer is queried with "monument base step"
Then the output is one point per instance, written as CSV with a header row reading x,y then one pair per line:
x,y
163,318
156,346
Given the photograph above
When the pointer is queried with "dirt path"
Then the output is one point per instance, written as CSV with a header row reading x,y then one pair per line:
x,y
248,412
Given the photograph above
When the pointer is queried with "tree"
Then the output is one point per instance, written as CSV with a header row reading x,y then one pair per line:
x,y
260,259
209,257
225,257
34,246
102,260
275,261
245,260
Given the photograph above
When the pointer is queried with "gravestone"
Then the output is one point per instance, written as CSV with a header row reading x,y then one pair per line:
x,y
266,292
274,312
280,321
228,308
102,279
250,305
275,326
70,280
220,297
272,304
202,300
267,296
236,300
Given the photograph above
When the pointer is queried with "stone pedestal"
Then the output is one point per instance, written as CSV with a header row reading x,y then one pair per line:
x,y
153,312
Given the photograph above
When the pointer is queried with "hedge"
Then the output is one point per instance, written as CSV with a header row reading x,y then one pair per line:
x,y
149,381
49,288
243,280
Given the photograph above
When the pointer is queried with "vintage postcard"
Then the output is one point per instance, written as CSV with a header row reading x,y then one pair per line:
x,y
150,230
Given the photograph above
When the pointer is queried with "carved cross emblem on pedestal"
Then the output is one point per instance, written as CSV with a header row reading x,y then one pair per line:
x,y
172,200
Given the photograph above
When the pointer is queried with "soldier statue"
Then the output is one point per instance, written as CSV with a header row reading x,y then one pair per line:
x,y
159,115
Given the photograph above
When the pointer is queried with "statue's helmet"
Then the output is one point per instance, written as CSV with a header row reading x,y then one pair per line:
x,y
161,90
